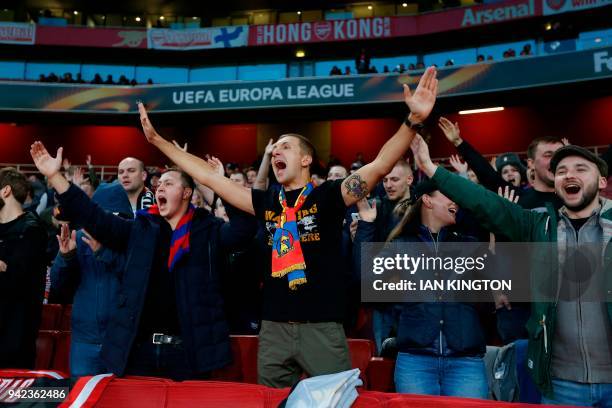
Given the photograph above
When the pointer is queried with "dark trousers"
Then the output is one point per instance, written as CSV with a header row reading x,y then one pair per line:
x,y
162,360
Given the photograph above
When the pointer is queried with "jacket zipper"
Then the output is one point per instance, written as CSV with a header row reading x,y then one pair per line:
x,y
435,242
543,323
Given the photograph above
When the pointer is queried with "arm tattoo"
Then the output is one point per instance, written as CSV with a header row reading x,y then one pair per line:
x,y
355,186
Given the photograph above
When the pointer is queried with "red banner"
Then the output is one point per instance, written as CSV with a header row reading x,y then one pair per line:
x,y
386,27
321,31
478,15
92,37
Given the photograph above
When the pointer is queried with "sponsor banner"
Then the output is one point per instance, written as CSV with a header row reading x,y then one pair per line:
x,y
17,33
91,37
565,6
386,27
304,92
198,38
322,31
478,15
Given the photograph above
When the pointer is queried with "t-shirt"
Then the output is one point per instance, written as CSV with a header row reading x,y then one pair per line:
x,y
159,314
531,199
323,297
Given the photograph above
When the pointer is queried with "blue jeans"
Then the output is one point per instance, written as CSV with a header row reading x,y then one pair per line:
x,y
445,376
85,359
583,395
384,321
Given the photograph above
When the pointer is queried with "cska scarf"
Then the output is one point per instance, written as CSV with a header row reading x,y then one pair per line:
x,y
179,243
287,256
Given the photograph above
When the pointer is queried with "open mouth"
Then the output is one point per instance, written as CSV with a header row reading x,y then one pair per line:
x,y
162,201
572,189
281,165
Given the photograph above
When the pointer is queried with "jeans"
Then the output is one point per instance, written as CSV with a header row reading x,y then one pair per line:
x,y
584,395
443,376
384,322
85,359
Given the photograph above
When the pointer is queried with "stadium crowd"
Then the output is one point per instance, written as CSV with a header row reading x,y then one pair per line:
x,y
161,266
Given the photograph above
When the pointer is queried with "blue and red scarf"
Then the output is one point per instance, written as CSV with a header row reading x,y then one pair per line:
x,y
287,255
179,243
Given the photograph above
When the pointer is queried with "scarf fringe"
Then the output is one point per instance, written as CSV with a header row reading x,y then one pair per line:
x,y
293,284
283,272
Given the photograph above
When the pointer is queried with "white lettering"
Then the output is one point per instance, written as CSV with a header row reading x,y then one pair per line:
x,y
601,60
339,29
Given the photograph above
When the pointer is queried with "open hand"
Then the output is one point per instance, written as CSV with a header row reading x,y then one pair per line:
x,y
421,102
47,165
148,129
508,194
450,130
66,240
459,166
91,242
421,156
217,165
269,148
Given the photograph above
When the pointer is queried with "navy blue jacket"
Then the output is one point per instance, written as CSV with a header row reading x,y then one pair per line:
x,y
96,279
435,328
196,276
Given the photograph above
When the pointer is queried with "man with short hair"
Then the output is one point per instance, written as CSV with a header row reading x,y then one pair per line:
x,y
169,319
238,178
23,243
305,289
569,353
337,173
132,175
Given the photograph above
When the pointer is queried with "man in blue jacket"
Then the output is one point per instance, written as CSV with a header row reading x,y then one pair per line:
x,y
169,319
87,272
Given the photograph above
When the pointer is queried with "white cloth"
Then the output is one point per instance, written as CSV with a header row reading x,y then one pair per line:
x,y
326,391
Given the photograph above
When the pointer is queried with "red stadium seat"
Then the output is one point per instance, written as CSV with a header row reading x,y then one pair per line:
x,y
361,352
380,374
61,356
51,315
64,323
244,365
45,347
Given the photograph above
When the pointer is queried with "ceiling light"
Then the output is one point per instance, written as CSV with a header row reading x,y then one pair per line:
x,y
404,4
369,7
299,13
469,112
548,27
75,12
194,18
161,18
137,19
300,53
598,40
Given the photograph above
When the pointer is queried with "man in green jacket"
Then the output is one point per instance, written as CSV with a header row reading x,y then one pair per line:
x,y
570,340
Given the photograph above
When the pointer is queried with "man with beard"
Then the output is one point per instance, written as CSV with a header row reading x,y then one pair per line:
x,y
23,242
570,337
168,320
132,175
305,287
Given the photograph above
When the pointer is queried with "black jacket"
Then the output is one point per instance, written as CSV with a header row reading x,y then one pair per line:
x,y
23,244
196,277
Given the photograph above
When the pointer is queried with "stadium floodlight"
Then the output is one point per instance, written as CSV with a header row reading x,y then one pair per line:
x,y
161,18
299,13
370,7
404,4
483,110
76,13
137,19
300,53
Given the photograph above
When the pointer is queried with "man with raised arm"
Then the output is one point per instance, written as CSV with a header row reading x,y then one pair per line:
x,y
168,320
305,287
570,338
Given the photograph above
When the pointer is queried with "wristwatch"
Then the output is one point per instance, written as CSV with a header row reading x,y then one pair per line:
x,y
417,127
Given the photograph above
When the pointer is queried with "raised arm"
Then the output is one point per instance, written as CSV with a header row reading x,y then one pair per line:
x,y
496,213
487,176
261,182
199,169
357,185
110,230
